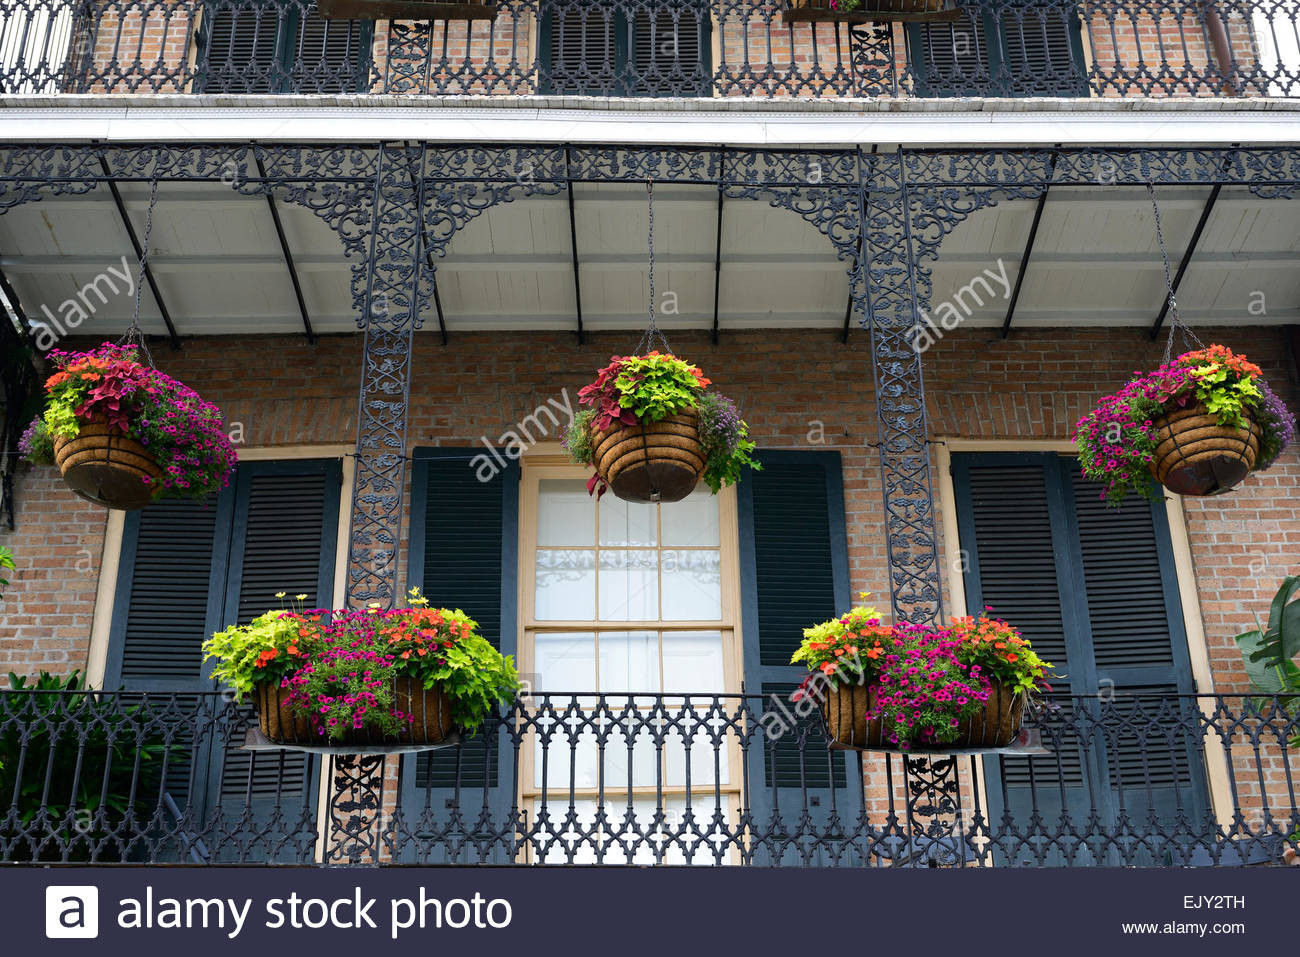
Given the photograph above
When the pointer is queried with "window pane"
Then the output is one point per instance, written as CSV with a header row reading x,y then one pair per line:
x,y
629,662
693,662
692,585
565,515
566,585
565,663
700,728
629,586
626,524
692,522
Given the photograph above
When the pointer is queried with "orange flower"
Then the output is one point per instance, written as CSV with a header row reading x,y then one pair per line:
x,y
55,379
827,668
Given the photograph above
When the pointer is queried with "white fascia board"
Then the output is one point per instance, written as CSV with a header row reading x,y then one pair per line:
x,y
733,122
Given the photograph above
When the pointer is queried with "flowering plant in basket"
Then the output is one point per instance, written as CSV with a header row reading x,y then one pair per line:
x,y
110,386
927,680
339,668
643,390
1117,441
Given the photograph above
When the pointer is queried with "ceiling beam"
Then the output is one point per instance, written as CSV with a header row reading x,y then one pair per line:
x,y
717,268
288,256
573,251
1187,258
11,296
1024,262
139,254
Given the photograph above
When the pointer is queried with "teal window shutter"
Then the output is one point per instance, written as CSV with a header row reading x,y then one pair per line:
x,y
463,553
1095,589
663,50
189,568
253,47
794,573
1010,48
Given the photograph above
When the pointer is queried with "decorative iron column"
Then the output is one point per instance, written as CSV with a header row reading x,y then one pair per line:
x,y
895,297
397,289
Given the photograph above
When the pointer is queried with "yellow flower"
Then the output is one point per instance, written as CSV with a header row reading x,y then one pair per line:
x,y
302,597
279,594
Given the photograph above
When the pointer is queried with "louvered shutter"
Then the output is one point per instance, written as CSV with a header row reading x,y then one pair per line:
x,y
329,56
584,40
793,574
1039,56
463,554
1093,589
669,52
283,539
1011,49
169,592
166,600
952,59
190,568
242,52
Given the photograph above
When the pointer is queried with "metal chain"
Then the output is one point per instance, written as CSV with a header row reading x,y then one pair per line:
x,y
1176,324
652,332
133,335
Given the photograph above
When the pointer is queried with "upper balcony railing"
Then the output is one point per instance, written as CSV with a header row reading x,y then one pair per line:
x,y
638,48
1139,778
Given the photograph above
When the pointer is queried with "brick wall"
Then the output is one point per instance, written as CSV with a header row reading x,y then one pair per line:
x,y
794,387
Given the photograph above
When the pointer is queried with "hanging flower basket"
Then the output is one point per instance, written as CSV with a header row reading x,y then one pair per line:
x,y
104,465
662,461
653,430
406,10
910,687
845,708
870,11
379,677
429,710
1198,424
1196,455
123,434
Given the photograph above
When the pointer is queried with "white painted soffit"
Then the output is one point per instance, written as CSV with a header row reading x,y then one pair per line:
x,y
730,121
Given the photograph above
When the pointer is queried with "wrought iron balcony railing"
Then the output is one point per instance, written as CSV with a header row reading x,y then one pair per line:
x,y
630,48
1149,778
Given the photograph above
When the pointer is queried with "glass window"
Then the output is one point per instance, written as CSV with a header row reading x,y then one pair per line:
x,y
629,635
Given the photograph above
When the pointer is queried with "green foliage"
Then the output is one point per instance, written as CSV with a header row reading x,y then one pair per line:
x,y
653,387
578,440
68,762
1268,651
724,438
6,562
260,651
345,661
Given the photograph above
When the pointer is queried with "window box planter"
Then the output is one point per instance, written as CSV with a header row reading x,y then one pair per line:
x,y
845,709
919,687
429,708
406,10
870,11
348,681
104,465
1196,455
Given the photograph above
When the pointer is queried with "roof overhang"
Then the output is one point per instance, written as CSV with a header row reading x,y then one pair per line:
x,y
707,121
